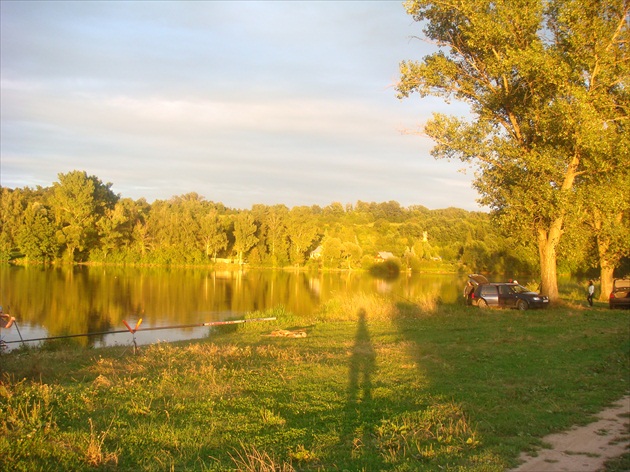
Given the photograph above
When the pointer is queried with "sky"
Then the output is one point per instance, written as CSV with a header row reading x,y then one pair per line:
x,y
242,102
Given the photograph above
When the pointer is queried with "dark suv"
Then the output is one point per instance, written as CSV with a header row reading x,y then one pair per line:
x,y
507,295
620,295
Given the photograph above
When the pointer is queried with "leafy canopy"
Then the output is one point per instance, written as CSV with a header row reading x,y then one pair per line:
x,y
547,86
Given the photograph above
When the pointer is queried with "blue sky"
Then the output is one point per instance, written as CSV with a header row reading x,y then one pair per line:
x,y
242,102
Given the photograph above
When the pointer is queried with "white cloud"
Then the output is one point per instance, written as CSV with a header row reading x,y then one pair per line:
x,y
242,102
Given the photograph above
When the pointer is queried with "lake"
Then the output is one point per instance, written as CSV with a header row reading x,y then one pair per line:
x,y
62,301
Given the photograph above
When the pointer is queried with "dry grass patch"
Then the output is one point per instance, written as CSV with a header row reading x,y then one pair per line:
x,y
95,455
250,459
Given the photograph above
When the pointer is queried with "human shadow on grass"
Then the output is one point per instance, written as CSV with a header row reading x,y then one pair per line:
x,y
360,413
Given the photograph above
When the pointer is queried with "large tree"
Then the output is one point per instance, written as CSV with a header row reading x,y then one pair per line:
x,y
302,230
607,210
12,206
78,202
37,235
213,234
547,83
244,234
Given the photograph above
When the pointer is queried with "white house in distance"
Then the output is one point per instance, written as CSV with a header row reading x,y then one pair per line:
x,y
317,253
383,256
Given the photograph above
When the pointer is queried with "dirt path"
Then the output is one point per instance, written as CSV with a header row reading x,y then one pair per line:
x,y
585,448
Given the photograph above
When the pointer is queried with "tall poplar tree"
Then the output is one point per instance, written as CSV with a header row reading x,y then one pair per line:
x,y
213,234
302,231
547,85
244,234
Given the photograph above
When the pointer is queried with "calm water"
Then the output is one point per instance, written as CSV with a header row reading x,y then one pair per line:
x,y
62,301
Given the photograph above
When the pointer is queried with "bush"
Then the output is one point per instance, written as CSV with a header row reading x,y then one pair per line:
x,y
388,270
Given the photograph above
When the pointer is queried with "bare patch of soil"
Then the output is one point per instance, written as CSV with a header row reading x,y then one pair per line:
x,y
584,448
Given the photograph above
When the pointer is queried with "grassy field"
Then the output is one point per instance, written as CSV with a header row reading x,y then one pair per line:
x,y
374,385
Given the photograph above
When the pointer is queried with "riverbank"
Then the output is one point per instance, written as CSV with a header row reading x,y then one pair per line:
x,y
373,385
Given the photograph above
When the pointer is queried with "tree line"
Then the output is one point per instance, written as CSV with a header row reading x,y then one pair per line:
x,y
79,219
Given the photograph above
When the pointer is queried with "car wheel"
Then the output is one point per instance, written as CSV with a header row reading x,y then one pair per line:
x,y
522,305
482,303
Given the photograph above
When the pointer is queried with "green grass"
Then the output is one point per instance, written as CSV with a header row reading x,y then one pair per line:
x,y
374,386
618,464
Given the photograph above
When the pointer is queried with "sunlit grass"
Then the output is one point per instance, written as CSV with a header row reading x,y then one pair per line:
x,y
377,307
376,384
249,459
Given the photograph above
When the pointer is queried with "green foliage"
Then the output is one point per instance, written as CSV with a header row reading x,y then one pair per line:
x,y
547,86
244,234
12,206
189,230
389,269
36,237
302,231
78,202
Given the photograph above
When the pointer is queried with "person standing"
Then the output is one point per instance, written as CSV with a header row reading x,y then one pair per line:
x,y
6,320
591,292
468,290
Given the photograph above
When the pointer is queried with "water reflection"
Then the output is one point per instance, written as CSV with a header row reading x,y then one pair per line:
x,y
60,301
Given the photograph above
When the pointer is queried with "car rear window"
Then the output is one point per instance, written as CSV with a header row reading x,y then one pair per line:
x,y
488,290
621,284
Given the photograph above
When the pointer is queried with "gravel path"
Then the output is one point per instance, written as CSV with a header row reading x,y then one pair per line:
x,y
585,448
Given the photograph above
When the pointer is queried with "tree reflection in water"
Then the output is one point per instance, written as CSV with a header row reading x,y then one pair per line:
x,y
83,299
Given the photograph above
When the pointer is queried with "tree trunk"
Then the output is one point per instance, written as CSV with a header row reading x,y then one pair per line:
x,y
607,258
549,238
606,282
547,244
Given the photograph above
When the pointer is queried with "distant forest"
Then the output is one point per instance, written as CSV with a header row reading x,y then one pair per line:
x,y
80,220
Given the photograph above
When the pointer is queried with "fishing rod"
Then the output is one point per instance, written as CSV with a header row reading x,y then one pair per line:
x,y
138,329
19,334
